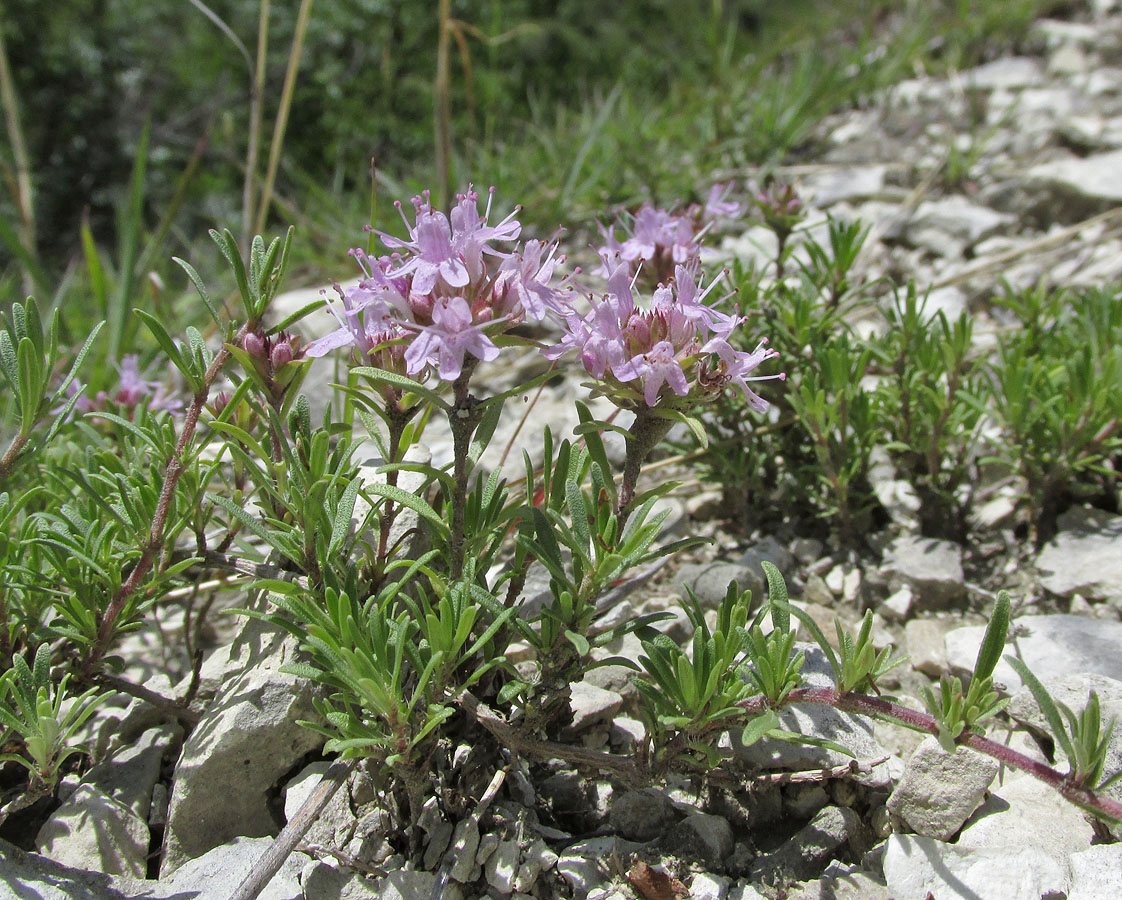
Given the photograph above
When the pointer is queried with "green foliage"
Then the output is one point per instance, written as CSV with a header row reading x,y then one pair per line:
x,y
924,405
29,354
1056,393
695,694
43,716
955,710
1084,738
838,415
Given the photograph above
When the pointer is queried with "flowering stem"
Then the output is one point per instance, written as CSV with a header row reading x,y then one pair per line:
x,y
463,419
646,432
397,419
12,454
150,550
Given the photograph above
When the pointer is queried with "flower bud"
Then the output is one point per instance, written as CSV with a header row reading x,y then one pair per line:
x,y
254,345
282,354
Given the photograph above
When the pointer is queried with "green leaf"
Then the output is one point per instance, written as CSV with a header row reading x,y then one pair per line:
x,y
30,384
295,317
993,643
579,641
169,347
402,383
413,502
1045,702
229,249
342,524
777,597
758,727
201,289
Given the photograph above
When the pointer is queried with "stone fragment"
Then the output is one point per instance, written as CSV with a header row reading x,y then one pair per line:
x,y
1024,813
592,705
948,225
465,844
940,790
839,882
701,836
849,183
897,606
1085,556
130,774
94,832
215,874
247,739
805,854
918,867
1091,178
642,815
1096,873
710,581
744,891
925,640
704,886
583,865
1005,73
1051,646
502,866
538,858
35,877
931,568
488,844
770,550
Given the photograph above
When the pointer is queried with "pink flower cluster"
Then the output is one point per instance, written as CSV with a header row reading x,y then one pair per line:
x,y
662,239
444,292
679,343
131,390
435,304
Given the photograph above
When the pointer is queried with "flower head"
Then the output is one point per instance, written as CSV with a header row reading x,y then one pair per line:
x,y
436,300
659,354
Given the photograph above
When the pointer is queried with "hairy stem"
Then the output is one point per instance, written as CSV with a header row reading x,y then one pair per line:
x,y
645,433
152,547
463,419
918,721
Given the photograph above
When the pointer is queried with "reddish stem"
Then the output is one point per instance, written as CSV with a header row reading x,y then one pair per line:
x,y
918,721
151,548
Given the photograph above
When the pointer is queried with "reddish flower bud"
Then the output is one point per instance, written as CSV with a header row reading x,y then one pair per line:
x,y
254,345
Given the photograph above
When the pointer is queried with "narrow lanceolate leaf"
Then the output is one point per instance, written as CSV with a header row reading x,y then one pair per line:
x,y
1047,705
401,382
994,641
759,727
410,501
201,288
343,513
30,384
777,597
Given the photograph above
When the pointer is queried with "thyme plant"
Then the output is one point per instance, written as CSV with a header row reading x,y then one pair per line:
x,y
405,603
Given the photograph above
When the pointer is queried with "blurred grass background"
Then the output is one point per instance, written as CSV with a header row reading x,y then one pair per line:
x,y
129,125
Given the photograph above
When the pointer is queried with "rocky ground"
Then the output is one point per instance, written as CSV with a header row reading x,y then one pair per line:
x,y
1012,170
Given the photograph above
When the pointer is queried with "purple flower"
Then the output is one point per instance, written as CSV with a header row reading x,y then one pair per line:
x,y
471,233
366,316
717,207
631,349
433,253
447,339
656,367
736,364
522,286
433,295
689,301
